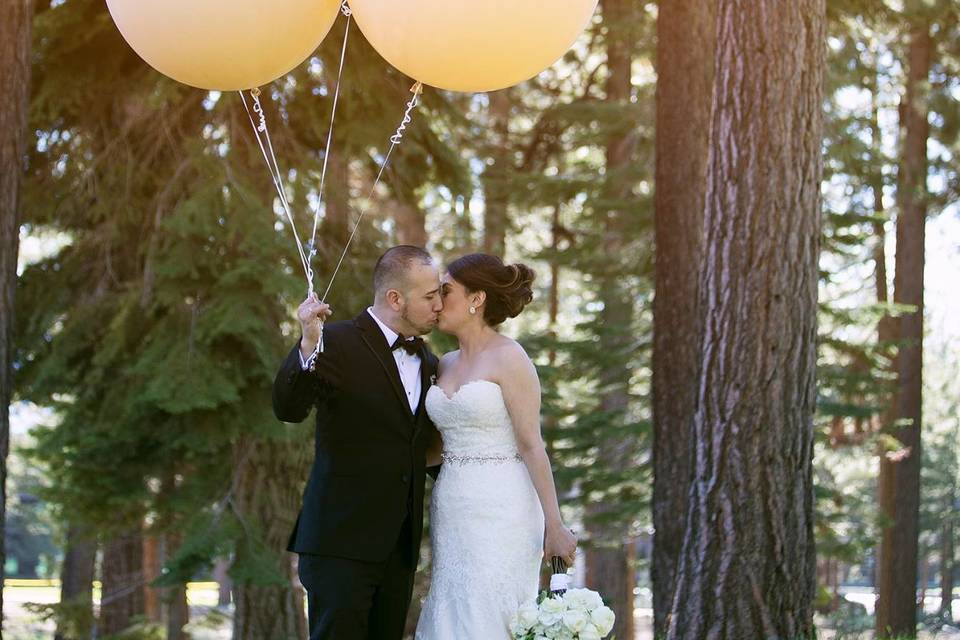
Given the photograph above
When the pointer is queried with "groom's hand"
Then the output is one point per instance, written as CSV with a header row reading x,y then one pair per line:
x,y
312,314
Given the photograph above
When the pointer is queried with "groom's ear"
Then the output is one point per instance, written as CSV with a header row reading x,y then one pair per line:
x,y
394,299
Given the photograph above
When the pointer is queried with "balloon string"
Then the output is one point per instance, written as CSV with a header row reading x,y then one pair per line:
x,y
395,139
345,9
261,132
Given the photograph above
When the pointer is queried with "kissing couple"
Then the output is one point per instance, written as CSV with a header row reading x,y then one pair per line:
x,y
387,409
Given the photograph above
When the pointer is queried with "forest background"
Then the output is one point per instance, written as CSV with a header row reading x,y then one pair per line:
x,y
156,276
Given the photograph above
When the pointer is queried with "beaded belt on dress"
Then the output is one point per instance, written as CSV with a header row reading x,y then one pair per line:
x,y
458,459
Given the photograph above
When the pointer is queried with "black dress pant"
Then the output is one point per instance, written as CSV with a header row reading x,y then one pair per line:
x,y
356,600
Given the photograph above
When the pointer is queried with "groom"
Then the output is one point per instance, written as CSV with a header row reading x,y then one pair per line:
x,y
358,532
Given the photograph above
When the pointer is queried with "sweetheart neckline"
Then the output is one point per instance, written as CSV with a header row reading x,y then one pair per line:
x,y
451,398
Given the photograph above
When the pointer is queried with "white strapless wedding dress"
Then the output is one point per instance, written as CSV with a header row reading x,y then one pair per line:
x,y
486,523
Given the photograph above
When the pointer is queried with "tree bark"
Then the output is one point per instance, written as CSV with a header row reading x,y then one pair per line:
x,y
411,223
610,560
899,482
175,606
122,596
76,579
266,497
225,586
152,562
15,30
497,174
747,565
684,84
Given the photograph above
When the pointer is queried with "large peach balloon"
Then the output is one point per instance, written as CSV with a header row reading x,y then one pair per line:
x,y
472,45
224,44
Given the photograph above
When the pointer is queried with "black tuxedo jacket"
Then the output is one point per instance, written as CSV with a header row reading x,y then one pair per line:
x,y
368,473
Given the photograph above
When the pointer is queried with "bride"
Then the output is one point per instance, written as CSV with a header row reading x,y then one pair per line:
x,y
494,512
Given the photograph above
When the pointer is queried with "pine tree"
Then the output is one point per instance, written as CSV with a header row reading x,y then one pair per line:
x,y
15,34
157,330
749,526
684,86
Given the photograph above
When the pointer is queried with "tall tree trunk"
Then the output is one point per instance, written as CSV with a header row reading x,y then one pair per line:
x,y
266,496
76,582
15,23
336,223
122,596
176,609
684,82
899,482
224,584
610,560
886,329
152,563
411,223
497,174
747,566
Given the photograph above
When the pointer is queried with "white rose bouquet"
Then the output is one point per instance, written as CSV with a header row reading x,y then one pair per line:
x,y
563,614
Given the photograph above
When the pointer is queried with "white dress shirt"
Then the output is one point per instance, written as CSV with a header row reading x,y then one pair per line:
x,y
408,365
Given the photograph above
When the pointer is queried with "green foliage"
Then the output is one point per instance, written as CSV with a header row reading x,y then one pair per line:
x,y
156,331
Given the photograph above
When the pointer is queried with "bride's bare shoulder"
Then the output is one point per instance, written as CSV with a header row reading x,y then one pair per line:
x,y
512,359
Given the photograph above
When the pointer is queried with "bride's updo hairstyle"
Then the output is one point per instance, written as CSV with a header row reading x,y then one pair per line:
x,y
508,286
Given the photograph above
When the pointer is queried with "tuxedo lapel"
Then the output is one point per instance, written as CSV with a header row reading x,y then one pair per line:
x,y
374,339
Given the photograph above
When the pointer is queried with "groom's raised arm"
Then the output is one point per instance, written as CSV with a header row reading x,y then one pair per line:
x,y
297,386
295,389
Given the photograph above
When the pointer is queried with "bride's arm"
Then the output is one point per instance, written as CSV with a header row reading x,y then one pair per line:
x,y
434,449
435,446
521,392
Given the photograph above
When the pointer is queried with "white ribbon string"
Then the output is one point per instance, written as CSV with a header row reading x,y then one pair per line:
x,y
395,139
260,132
312,246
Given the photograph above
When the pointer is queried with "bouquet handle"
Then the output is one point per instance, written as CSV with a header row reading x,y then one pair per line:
x,y
559,580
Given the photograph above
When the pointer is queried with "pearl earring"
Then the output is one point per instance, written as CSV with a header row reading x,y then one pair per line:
x,y
473,310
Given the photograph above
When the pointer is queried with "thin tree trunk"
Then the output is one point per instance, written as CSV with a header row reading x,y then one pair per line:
x,y
411,223
610,560
748,567
176,609
553,296
497,174
225,586
266,498
15,28
899,482
76,583
122,596
152,605
336,223
684,81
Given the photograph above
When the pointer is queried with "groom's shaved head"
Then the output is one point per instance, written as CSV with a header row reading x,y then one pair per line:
x,y
394,266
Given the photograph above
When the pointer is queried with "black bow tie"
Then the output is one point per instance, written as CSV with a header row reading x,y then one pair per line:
x,y
410,345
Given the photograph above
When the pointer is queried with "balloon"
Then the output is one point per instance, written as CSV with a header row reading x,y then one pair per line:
x,y
224,44
471,45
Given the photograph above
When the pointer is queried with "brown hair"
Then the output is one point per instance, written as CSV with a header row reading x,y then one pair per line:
x,y
393,267
508,286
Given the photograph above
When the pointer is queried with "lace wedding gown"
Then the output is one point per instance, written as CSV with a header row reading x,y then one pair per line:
x,y
486,523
